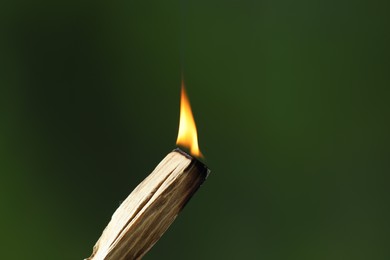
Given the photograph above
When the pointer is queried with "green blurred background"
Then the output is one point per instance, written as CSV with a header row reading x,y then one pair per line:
x,y
291,100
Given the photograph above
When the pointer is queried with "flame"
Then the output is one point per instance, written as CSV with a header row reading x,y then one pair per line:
x,y
187,136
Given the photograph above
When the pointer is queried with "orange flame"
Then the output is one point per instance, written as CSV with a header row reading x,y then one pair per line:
x,y
187,136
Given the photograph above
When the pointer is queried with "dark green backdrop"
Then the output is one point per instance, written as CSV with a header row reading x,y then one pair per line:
x,y
291,99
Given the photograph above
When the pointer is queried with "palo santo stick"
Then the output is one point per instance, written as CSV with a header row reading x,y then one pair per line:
x,y
150,209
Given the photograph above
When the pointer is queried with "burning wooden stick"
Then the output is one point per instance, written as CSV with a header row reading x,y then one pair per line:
x,y
153,205
151,208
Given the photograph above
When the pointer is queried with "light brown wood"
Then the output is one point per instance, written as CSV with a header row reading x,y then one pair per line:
x,y
149,210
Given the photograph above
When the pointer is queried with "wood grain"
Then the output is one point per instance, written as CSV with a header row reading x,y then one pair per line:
x,y
150,209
